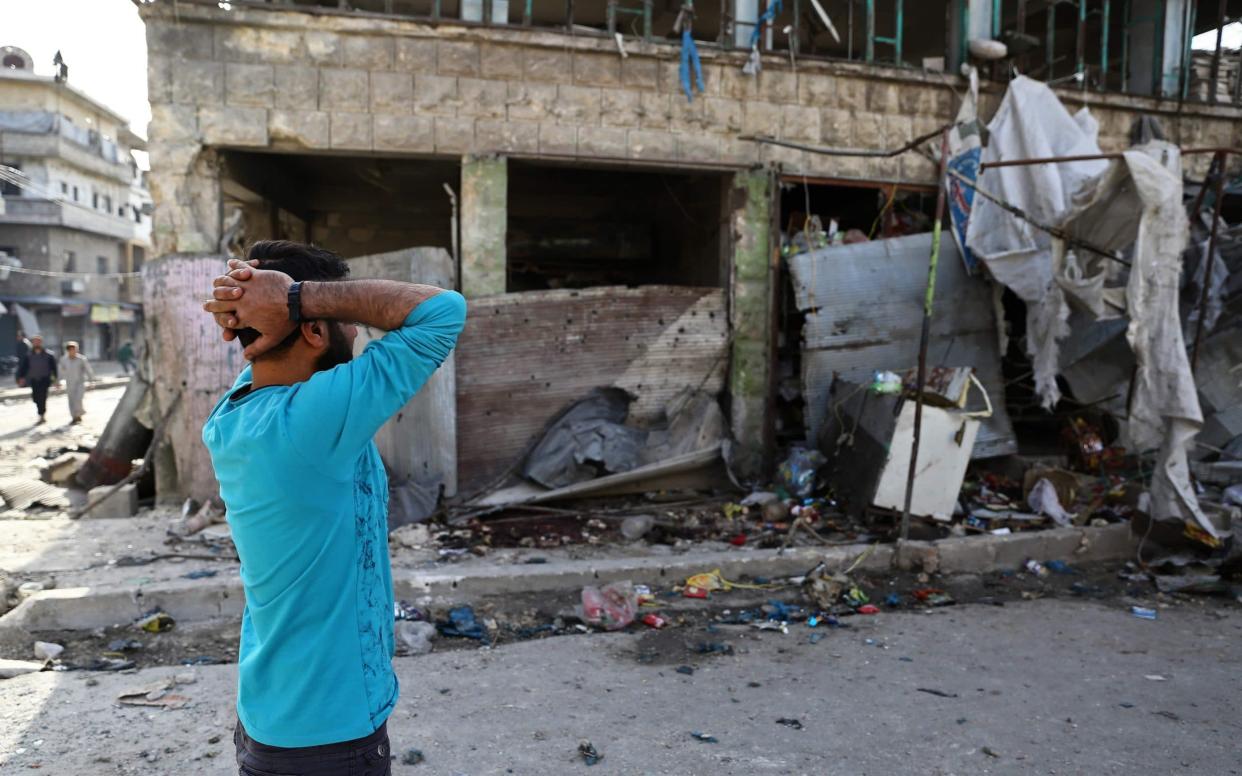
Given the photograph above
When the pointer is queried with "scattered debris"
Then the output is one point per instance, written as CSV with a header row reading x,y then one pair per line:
x,y
12,668
156,693
46,650
590,755
937,693
415,756
611,607
704,737
789,722
414,637
155,622
1143,613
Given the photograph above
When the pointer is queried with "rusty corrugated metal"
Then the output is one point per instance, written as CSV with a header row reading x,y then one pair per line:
x,y
523,357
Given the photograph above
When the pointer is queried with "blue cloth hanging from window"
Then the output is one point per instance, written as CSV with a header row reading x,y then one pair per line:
x,y
690,54
768,17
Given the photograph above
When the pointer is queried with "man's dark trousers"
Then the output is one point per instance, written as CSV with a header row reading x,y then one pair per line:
x,y
368,756
38,392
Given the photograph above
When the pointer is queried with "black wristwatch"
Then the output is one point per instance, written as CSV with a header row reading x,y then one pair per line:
x,y
295,302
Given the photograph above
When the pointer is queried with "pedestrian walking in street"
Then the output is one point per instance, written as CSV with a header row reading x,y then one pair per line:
x,y
306,498
77,371
125,355
38,370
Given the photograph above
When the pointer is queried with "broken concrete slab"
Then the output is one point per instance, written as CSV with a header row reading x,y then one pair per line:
x,y
122,503
12,668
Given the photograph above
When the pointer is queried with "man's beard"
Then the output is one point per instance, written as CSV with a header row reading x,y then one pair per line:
x,y
339,351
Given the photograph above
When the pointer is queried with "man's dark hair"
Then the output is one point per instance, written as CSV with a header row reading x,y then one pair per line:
x,y
298,261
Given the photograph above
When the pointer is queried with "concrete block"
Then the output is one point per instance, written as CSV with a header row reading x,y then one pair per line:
x,y
12,668
173,124
246,84
577,105
698,147
351,130
179,40
1110,542
640,73
482,98
496,136
324,47
549,66
686,116
601,141
530,102
403,133
298,129
501,62
455,57
882,97
123,503
654,110
367,51
233,126
343,89
918,100
869,131
235,43
159,79
651,144
851,93
722,114
435,95
484,213
415,55
967,554
1060,543
1014,550
917,556
297,87
778,86
816,90
761,118
834,127
558,139
594,69
198,82
392,92
800,123
619,107
453,135
736,84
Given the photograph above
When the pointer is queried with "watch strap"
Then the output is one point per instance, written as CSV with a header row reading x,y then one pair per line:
x,y
295,302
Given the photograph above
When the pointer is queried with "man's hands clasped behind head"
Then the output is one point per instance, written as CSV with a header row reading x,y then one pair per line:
x,y
251,298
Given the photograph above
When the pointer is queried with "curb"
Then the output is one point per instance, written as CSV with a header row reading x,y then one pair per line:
x,y
85,608
24,393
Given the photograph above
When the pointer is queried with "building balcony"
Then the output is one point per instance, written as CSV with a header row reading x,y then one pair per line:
x,y
49,212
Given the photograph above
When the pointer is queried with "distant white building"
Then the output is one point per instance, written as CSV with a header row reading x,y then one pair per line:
x,y
75,204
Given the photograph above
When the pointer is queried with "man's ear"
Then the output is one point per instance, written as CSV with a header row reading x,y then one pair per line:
x,y
316,334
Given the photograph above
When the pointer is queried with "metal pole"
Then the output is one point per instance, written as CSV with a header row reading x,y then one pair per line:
x,y
925,337
1104,46
1080,40
1050,39
870,51
1220,31
1218,162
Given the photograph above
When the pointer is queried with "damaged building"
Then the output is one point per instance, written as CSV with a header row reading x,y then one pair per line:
x,y
635,195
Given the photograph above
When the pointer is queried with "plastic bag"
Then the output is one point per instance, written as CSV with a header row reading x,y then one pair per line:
x,y
611,607
799,472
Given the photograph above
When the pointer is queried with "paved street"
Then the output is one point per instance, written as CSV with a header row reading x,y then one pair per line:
x,y
1039,687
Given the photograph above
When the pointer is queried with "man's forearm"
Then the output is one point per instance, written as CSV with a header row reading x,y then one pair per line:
x,y
380,304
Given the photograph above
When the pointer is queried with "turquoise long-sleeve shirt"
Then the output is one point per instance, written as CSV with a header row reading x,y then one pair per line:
x,y
307,502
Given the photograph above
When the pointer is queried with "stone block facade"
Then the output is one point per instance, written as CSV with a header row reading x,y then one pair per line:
x,y
288,80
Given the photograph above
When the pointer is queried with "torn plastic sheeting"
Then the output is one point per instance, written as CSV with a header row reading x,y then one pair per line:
x,y
590,438
1138,201
1031,123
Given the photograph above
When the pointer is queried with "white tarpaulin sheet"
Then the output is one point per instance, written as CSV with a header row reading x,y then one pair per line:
x,y
1138,202
1031,123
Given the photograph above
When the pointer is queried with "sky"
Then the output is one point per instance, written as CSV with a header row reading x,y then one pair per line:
x,y
1231,39
103,42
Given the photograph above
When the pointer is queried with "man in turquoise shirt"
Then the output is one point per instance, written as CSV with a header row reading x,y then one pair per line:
x,y
307,498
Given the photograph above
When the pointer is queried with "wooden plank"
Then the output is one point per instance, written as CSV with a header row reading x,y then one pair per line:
x,y
420,441
523,357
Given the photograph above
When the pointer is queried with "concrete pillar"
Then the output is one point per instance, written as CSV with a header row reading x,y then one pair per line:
x,y
484,219
751,317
